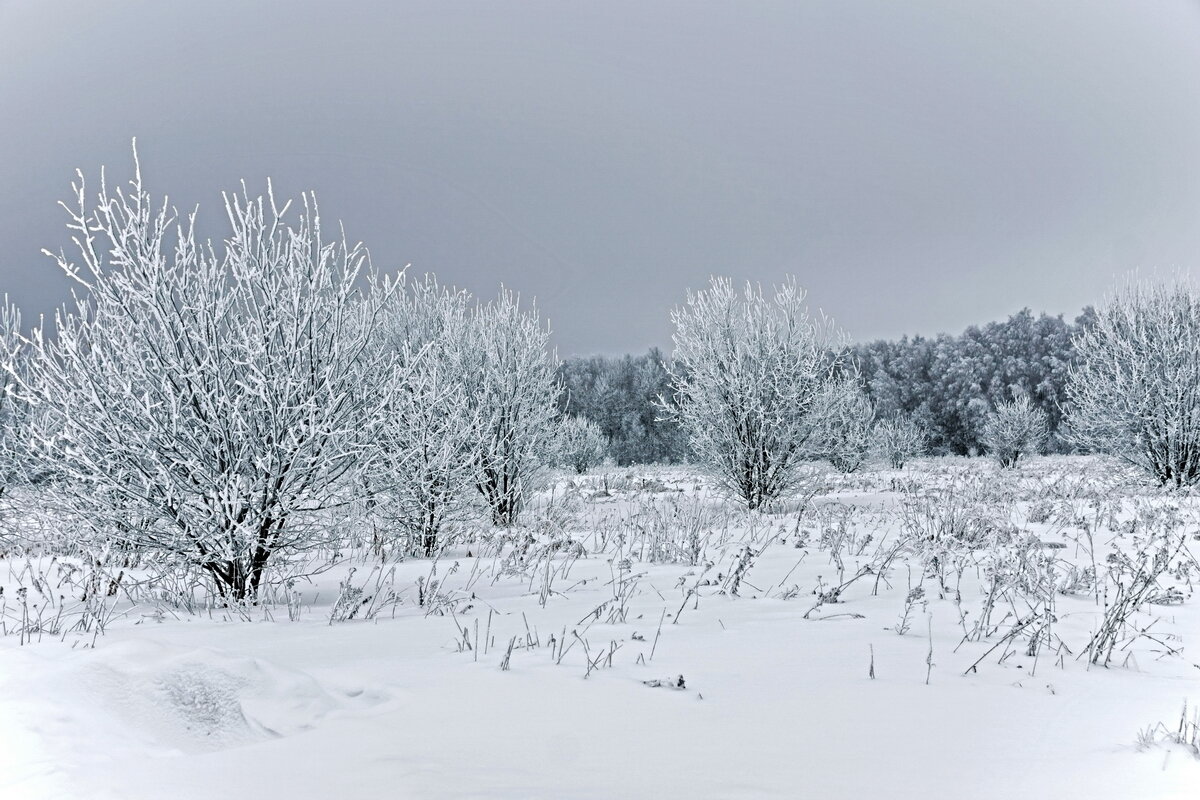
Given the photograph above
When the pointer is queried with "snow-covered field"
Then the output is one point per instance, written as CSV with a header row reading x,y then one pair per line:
x,y
641,637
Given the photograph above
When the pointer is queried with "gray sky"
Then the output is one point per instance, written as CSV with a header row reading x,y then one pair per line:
x,y
919,166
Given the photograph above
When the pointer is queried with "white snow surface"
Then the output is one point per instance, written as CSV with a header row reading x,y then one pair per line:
x,y
168,704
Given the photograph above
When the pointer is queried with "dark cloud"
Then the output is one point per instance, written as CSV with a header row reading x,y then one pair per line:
x,y
919,165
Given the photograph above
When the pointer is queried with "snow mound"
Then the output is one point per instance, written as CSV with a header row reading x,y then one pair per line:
x,y
201,699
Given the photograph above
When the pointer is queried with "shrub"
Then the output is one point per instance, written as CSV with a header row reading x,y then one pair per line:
x,y
898,439
749,376
846,432
581,444
427,443
203,405
1135,393
512,381
1014,429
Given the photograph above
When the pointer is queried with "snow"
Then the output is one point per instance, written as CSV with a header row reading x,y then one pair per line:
x,y
774,704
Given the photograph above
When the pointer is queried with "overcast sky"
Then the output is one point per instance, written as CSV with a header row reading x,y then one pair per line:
x,y
919,166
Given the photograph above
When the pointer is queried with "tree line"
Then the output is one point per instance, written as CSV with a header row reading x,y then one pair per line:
x,y
946,384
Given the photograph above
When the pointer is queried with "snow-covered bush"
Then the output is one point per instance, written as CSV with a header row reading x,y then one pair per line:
x,y
748,377
581,444
846,433
898,439
206,404
1014,429
1135,392
15,415
427,443
14,409
511,380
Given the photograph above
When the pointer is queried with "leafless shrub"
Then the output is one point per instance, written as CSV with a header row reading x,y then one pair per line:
x,y
847,428
1135,392
216,401
426,448
898,439
1014,429
512,384
749,378
580,445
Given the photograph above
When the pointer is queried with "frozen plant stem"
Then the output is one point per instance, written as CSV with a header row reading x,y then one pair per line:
x,y
929,655
658,633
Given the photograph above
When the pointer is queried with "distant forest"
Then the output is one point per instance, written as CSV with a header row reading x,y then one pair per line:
x,y
947,384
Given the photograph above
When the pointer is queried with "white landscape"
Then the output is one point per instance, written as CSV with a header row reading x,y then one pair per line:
x,y
665,399
279,520
529,668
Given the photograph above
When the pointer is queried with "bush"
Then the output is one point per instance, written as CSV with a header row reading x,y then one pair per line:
x,y
427,444
1135,393
207,406
1014,429
749,379
898,439
846,433
512,381
581,444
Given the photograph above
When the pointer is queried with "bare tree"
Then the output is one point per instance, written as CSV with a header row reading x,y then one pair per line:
x,y
1014,429
14,409
15,416
849,419
427,459
511,380
207,405
1135,392
748,378
581,444
897,439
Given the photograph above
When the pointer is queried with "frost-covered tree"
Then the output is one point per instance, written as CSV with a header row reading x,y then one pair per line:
x,y
898,439
1135,392
846,432
207,404
1014,429
427,443
749,379
511,380
581,444
16,468
14,407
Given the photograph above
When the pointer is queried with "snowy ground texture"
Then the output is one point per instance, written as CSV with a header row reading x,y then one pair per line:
x,y
927,632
